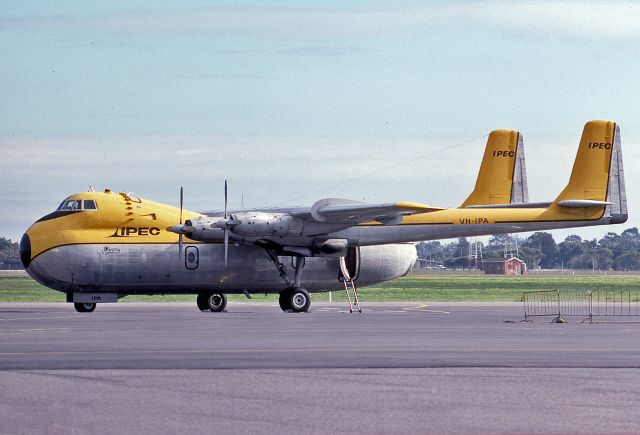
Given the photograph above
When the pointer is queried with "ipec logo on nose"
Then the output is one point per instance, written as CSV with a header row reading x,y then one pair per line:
x,y
135,231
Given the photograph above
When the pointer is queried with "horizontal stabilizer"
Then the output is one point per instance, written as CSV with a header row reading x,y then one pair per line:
x,y
578,203
502,178
515,205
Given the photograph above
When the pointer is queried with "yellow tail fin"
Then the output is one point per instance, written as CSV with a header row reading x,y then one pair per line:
x,y
590,173
597,177
502,178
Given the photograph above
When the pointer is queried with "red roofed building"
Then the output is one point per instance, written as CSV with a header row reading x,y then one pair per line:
x,y
505,266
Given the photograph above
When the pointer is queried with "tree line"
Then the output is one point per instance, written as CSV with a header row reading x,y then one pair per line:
x,y
9,252
540,251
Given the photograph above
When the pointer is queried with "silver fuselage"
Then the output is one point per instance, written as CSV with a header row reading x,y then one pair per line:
x,y
158,269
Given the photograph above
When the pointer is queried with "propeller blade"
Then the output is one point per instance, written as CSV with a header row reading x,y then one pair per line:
x,y
181,201
180,234
226,246
225,199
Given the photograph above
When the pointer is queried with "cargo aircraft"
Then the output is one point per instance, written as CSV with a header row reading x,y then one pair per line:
x,y
101,246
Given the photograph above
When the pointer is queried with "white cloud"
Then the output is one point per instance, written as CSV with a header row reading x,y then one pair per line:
x,y
585,20
592,20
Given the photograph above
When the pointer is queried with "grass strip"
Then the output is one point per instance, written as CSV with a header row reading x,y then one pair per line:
x,y
477,288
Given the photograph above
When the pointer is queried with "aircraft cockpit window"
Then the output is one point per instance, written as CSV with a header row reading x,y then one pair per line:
x,y
77,205
70,205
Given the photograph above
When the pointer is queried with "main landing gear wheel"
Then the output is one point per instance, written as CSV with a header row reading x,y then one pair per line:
x,y
296,299
211,302
84,308
285,303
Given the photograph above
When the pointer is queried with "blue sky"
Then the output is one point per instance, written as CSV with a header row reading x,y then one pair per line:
x,y
291,100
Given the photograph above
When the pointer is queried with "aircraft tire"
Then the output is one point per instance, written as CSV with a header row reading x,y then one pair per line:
x,y
84,308
201,301
299,299
285,300
216,302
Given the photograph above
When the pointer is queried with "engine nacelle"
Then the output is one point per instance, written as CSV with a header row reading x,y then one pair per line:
x,y
335,247
203,229
259,224
247,224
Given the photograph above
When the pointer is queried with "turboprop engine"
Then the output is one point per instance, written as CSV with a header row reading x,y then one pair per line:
x,y
254,226
262,224
280,233
248,224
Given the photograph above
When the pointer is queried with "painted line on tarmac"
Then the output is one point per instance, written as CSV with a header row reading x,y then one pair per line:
x,y
422,307
42,329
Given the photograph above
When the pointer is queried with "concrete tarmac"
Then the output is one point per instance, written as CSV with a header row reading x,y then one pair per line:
x,y
401,368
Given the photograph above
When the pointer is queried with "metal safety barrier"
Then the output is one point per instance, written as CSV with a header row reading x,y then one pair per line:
x,y
541,303
615,303
587,304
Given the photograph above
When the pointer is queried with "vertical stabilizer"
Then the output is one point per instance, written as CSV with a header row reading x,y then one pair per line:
x,y
597,177
502,178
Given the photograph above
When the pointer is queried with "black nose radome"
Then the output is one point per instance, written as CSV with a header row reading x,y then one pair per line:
x,y
25,250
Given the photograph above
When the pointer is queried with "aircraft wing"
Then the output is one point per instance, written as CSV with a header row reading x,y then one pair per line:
x,y
335,210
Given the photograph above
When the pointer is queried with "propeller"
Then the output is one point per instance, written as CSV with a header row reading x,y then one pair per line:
x,y
226,229
226,224
180,234
180,229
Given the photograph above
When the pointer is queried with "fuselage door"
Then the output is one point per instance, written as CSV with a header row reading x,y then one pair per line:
x,y
352,261
191,257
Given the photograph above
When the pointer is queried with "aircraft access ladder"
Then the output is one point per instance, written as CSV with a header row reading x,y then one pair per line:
x,y
349,287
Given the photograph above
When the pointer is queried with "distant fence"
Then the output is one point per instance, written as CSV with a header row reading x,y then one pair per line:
x,y
586,304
